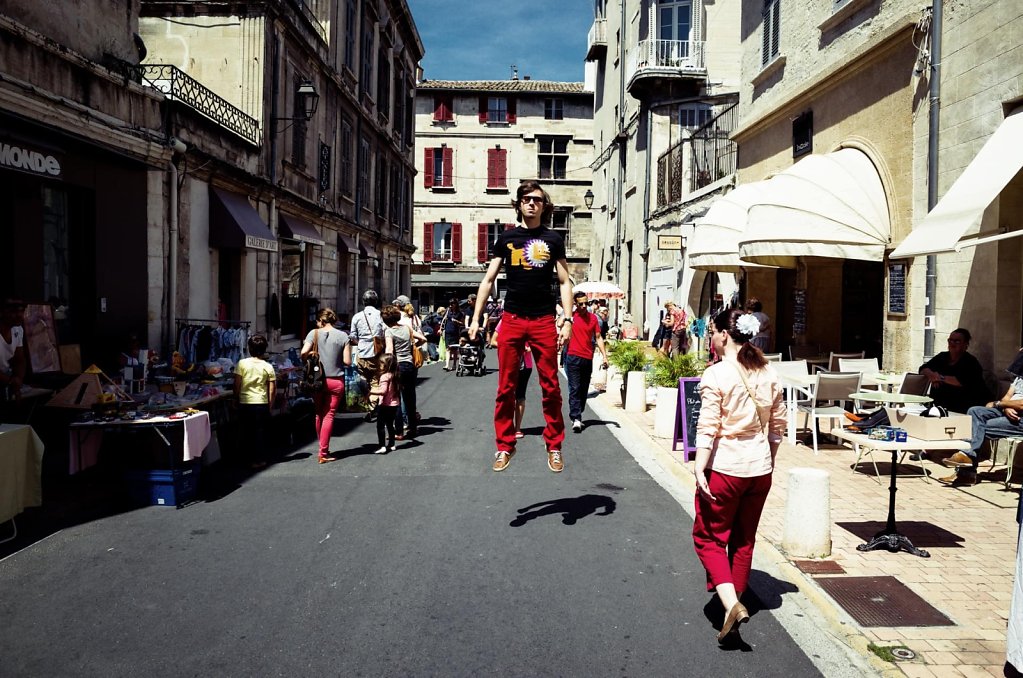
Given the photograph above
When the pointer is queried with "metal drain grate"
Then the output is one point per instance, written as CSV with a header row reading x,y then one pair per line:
x,y
815,567
882,601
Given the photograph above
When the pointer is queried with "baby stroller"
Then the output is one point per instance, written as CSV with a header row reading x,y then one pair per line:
x,y
470,360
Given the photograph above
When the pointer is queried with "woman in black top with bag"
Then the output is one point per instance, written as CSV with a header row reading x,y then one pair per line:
x,y
335,352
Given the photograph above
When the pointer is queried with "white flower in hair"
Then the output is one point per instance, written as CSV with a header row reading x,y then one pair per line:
x,y
748,324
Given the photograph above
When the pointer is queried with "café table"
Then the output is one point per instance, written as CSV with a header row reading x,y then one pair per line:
x,y
21,466
793,385
890,538
886,398
889,381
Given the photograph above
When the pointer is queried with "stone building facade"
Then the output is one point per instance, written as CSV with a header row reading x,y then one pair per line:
x,y
666,78
844,88
242,162
476,141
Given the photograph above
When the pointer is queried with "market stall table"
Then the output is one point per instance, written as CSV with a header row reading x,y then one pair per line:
x,y
21,465
19,410
889,538
86,436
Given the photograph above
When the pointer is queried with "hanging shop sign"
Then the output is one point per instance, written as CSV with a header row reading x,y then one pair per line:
x,y
669,242
421,269
25,159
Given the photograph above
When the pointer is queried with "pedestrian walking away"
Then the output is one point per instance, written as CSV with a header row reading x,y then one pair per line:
x,y
454,322
335,352
741,424
579,360
533,257
401,341
388,394
255,387
368,335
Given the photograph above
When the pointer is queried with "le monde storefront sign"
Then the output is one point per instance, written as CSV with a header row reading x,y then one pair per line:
x,y
18,156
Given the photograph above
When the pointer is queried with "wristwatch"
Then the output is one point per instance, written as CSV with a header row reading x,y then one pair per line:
x,y
566,320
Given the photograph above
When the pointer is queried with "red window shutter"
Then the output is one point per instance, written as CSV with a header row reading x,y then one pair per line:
x,y
446,180
492,167
428,177
501,170
482,246
483,109
511,111
456,243
428,241
438,108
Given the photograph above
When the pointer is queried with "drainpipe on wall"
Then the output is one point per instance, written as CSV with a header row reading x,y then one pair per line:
x,y
932,172
172,257
623,141
645,255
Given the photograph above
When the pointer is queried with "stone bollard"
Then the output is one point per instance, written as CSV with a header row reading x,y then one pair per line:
x,y
808,514
635,392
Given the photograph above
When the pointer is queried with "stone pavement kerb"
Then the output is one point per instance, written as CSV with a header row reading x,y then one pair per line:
x,y
825,632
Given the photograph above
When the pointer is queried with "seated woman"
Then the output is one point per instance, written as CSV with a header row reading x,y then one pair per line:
x,y
957,379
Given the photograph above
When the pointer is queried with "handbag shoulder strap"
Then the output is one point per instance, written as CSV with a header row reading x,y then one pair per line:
x,y
749,390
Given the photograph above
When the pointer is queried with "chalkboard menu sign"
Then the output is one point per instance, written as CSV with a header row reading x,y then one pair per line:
x,y
798,311
687,414
897,289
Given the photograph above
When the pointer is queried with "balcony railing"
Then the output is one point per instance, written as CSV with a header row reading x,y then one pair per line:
x,y
179,86
596,41
712,156
684,56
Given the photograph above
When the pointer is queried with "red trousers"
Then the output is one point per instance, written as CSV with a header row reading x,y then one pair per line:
x,y
725,530
542,336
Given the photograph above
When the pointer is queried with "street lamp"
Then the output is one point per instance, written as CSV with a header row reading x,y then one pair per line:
x,y
588,198
305,106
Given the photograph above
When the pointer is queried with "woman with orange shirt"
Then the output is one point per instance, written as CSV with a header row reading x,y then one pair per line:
x,y
741,424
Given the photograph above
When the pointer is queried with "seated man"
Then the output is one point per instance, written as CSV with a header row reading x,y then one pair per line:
x,y
12,350
957,379
996,420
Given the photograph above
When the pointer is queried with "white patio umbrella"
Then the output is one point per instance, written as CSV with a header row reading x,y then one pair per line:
x,y
599,289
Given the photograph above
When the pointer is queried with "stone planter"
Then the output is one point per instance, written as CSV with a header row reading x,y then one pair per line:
x,y
665,412
634,392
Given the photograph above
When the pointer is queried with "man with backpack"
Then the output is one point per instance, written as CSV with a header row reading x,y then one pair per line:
x,y
368,337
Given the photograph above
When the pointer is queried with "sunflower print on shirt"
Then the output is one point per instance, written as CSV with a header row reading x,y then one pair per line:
x,y
535,253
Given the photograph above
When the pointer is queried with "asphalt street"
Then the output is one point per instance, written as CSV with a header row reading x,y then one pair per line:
x,y
422,562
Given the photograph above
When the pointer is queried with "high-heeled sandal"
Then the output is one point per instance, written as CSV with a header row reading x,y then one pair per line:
x,y
736,616
325,459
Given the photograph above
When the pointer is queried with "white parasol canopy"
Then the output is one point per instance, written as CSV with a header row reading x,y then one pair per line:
x,y
599,289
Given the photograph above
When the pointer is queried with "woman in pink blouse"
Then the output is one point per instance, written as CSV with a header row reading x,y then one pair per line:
x,y
741,424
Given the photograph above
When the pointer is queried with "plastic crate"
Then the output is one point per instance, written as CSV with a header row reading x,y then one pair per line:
x,y
163,487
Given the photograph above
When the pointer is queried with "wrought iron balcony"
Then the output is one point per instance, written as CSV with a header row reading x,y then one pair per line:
x,y
596,41
654,63
179,86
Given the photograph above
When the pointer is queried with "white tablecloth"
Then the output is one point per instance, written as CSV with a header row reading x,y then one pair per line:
x,y
21,467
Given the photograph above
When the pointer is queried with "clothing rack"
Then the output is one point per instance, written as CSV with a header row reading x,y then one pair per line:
x,y
213,321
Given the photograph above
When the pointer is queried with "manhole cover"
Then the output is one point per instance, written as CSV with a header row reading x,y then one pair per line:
x,y
819,566
903,653
882,601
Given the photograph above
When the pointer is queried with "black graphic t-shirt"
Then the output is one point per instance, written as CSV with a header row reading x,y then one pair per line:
x,y
529,256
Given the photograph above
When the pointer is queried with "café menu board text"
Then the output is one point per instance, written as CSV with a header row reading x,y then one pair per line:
x,y
897,288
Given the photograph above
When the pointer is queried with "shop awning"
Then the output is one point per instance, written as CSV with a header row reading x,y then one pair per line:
x,y
438,278
714,245
961,209
301,230
346,242
829,205
235,223
368,251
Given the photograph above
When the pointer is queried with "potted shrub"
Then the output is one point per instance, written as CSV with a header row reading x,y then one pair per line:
x,y
627,356
664,375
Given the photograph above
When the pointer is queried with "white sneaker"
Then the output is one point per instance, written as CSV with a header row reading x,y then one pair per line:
x,y
577,426
382,450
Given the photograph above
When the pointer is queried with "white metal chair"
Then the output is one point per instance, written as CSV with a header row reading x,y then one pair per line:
x,y
827,401
799,368
773,357
915,384
834,358
861,365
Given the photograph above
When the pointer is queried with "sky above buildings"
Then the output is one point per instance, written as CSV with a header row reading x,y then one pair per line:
x,y
481,39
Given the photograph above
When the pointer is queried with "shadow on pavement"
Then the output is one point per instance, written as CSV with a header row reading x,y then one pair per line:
x,y
923,534
572,509
601,422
